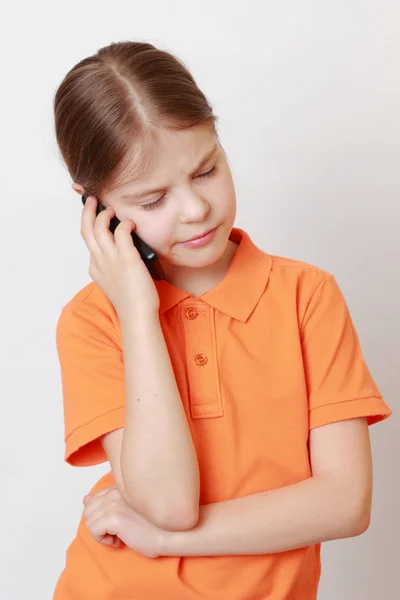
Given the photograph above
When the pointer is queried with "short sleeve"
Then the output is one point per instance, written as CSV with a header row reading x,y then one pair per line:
x,y
339,383
92,376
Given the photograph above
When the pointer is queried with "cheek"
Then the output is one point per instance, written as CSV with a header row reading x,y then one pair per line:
x,y
156,233
224,195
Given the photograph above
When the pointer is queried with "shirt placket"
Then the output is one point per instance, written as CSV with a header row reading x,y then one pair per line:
x,y
201,359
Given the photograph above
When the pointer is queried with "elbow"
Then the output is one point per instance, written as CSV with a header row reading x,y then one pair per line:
x,y
359,519
361,523
177,519
181,517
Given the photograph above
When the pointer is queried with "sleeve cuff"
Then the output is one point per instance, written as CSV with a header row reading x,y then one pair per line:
x,y
373,408
83,447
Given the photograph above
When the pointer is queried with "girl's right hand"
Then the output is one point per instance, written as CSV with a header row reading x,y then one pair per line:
x,y
115,263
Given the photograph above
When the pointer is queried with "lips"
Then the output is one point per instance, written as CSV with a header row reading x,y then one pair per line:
x,y
197,237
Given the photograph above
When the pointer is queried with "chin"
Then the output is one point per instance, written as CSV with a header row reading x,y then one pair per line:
x,y
200,258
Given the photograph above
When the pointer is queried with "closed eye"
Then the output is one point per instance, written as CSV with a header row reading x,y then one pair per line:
x,y
209,173
153,205
158,202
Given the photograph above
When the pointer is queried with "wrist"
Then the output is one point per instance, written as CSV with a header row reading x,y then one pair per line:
x,y
137,320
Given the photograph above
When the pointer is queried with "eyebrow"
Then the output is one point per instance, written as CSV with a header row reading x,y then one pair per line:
x,y
135,195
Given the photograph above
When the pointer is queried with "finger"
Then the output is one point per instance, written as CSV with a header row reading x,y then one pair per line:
x,y
88,219
98,502
103,525
93,504
94,514
95,229
123,238
101,230
109,540
102,491
98,530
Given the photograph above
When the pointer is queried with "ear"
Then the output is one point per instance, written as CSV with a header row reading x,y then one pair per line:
x,y
78,188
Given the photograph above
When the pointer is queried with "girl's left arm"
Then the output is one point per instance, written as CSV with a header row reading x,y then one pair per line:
x,y
334,503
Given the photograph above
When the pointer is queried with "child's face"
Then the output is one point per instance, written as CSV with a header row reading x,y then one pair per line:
x,y
187,203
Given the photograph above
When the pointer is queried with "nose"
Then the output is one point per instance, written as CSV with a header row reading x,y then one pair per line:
x,y
193,208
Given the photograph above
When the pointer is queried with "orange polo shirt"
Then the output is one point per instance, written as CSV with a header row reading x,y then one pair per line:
x,y
267,354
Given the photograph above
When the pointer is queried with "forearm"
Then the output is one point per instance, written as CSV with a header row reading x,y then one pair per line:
x,y
158,460
309,512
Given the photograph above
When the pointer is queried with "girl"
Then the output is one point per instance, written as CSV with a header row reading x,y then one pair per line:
x,y
231,397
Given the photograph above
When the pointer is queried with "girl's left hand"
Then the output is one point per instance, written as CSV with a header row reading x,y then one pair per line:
x,y
111,521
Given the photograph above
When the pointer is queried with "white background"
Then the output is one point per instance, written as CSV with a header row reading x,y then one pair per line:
x,y
308,94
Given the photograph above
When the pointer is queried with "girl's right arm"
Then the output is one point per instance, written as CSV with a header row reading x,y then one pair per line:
x,y
152,458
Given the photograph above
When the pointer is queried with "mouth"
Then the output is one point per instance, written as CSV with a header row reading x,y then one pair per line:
x,y
201,235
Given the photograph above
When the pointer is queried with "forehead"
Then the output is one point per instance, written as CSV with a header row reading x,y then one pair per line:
x,y
164,152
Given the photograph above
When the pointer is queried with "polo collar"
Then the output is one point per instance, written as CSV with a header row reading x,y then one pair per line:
x,y
238,293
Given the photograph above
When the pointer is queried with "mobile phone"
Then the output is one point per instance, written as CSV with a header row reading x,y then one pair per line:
x,y
148,255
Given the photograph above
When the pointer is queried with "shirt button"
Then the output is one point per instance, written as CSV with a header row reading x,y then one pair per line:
x,y
201,359
191,313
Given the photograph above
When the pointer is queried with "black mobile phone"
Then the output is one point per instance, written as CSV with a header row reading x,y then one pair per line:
x,y
149,257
